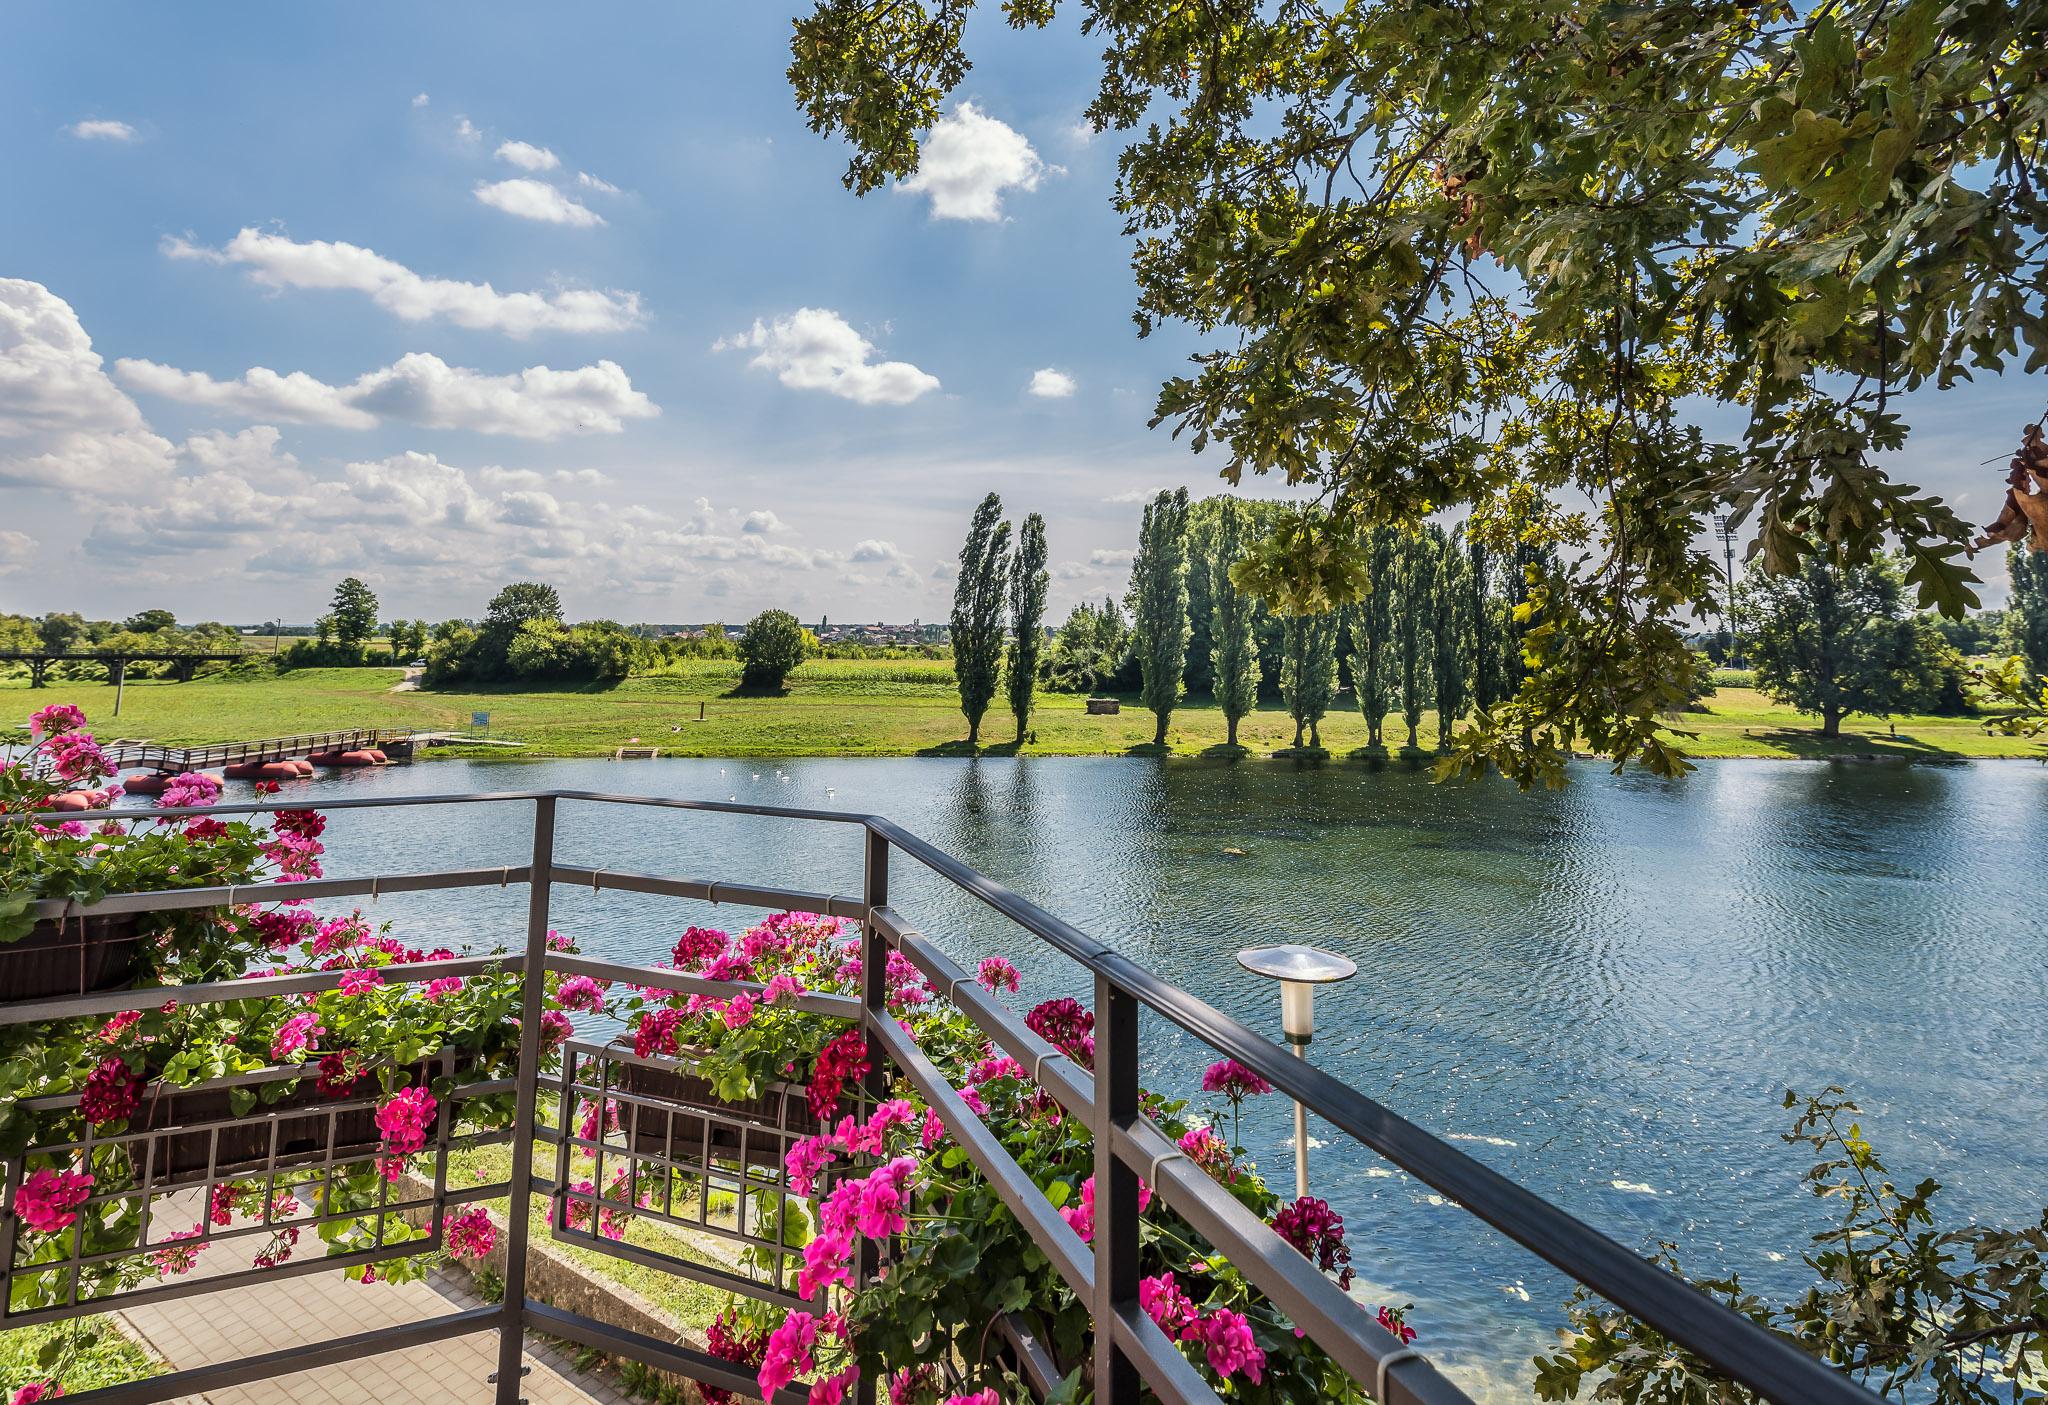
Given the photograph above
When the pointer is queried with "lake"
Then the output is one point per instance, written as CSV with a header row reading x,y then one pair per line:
x,y
1603,991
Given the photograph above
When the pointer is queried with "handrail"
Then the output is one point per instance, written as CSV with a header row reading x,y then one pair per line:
x,y
1130,1147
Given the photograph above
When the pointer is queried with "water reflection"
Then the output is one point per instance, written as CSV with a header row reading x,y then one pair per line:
x,y
1601,991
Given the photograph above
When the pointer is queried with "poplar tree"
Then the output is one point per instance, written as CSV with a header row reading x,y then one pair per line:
x,y
1027,617
1372,632
2027,611
1414,626
1308,671
1489,625
1159,588
978,596
1451,643
1233,617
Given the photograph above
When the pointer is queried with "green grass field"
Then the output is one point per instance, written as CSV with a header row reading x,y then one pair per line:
x,y
856,708
99,1356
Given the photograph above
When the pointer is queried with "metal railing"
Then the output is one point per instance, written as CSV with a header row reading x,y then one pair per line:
x,y
1129,1350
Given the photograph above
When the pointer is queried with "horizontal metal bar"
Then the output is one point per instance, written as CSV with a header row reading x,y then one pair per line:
x,y
489,797
1748,1353
844,1007
669,1263
1018,1191
706,890
113,1002
271,1364
649,1351
304,890
1332,1318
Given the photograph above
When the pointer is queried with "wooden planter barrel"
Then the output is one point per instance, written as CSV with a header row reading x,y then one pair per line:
x,y
72,956
781,1113
193,1127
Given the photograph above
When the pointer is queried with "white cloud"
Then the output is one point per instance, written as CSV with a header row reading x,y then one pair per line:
x,y
528,157
761,523
536,200
1100,557
421,389
1082,131
1049,384
16,550
102,129
814,349
467,130
420,99
63,422
877,551
967,161
590,182
533,199
1133,495
278,261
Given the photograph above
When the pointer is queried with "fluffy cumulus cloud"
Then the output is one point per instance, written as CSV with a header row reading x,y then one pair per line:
x,y
814,349
968,160
420,99
63,421
528,157
102,129
537,200
421,389
590,182
1049,384
278,261
873,551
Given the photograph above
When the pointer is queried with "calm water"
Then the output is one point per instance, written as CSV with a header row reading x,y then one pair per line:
x,y
1602,992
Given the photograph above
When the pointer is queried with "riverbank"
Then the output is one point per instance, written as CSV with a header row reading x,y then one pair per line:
x,y
839,707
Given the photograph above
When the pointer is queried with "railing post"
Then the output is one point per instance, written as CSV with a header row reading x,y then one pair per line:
x,y
518,1207
1116,1188
874,999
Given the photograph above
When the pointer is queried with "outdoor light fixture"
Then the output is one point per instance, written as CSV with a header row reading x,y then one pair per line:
x,y
1299,969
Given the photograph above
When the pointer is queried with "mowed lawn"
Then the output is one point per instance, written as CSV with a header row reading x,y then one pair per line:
x,y
856,707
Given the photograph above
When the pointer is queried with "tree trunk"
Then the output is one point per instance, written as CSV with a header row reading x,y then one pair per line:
x,y
1315,735
1297,734
1159,733
1831,721
974,731
1230,731
1413,744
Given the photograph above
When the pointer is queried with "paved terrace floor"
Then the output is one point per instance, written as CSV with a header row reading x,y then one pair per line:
x,y
260,1317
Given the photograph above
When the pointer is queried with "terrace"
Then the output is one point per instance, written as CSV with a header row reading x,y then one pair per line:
x,y
719,1170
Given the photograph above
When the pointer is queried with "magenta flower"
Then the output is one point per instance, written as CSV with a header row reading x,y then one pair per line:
x,y
832,1390
880,1211
985,1396
193,790
35,1391
1395,1321
360,982
580,993
1227,1339
55,720
404,1119
789,1353
110,1094
740,1012
1233,1080
933,1130
76,757
116,1029
805,1160
656,1033
1317,1231
988,1070
48,1200
699,944
996,974
1165,1303
471,1235
846,1057
784,986
1081,1217
1067,1026
177,1255
1207,1150
294,1035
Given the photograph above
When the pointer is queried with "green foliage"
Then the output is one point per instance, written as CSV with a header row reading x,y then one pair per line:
x,y
80,1355
1416,560
979,593
772,648
1092,651
354,613
2026,622
1914,1312
1028,579
1372,631
1159,604
1232,623
1494,257
1453,643
1834,640
1308,671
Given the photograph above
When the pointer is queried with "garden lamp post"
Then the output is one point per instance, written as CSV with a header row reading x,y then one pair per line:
x,y
1299,969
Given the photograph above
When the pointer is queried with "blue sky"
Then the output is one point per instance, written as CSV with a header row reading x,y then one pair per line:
x,y
450,295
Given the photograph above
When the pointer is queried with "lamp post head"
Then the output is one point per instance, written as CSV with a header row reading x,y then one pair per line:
x,y
1299,969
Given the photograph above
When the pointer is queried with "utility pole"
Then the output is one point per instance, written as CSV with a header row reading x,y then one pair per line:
x,y
1724,529
276,627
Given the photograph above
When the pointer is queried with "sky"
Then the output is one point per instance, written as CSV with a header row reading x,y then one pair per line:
x,y
448,296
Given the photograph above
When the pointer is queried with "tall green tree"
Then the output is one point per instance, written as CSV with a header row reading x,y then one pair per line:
x,y
1415,569
1372,632
1159,589
1308,671
772,648
354,613
1028,579
1489,612
1451,648
2026,614
1233,621
1833,640
514,606
979,592
1800,212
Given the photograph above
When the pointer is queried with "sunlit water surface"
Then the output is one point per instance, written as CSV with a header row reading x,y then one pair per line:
x,y
1602,992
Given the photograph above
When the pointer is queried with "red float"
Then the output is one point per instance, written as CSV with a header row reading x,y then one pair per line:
x,y
148,783
301,765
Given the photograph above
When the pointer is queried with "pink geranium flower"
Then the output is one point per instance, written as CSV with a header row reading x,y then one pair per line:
x,y
404,1119
471,1235
789,1352
1226,1338
996,974
48,1200
580,993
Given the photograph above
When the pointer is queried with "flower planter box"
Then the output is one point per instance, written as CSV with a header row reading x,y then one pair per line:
x,y
72,956
781,1115
193,1128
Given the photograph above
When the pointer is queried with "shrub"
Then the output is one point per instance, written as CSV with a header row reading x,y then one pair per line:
x,y
771,649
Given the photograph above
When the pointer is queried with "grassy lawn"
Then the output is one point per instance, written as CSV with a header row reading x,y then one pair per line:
x,y
100,1356
854,708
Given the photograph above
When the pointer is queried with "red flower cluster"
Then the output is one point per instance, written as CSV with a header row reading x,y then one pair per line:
x,y
844,1058
730,1340
111,1094
1311,1226
1067,1026
699,944
307,824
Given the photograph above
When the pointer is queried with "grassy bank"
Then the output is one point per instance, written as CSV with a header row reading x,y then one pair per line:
x,y
95,1355
855,708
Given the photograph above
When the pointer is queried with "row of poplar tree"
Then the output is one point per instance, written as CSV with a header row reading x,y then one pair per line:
x,y
1435,634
